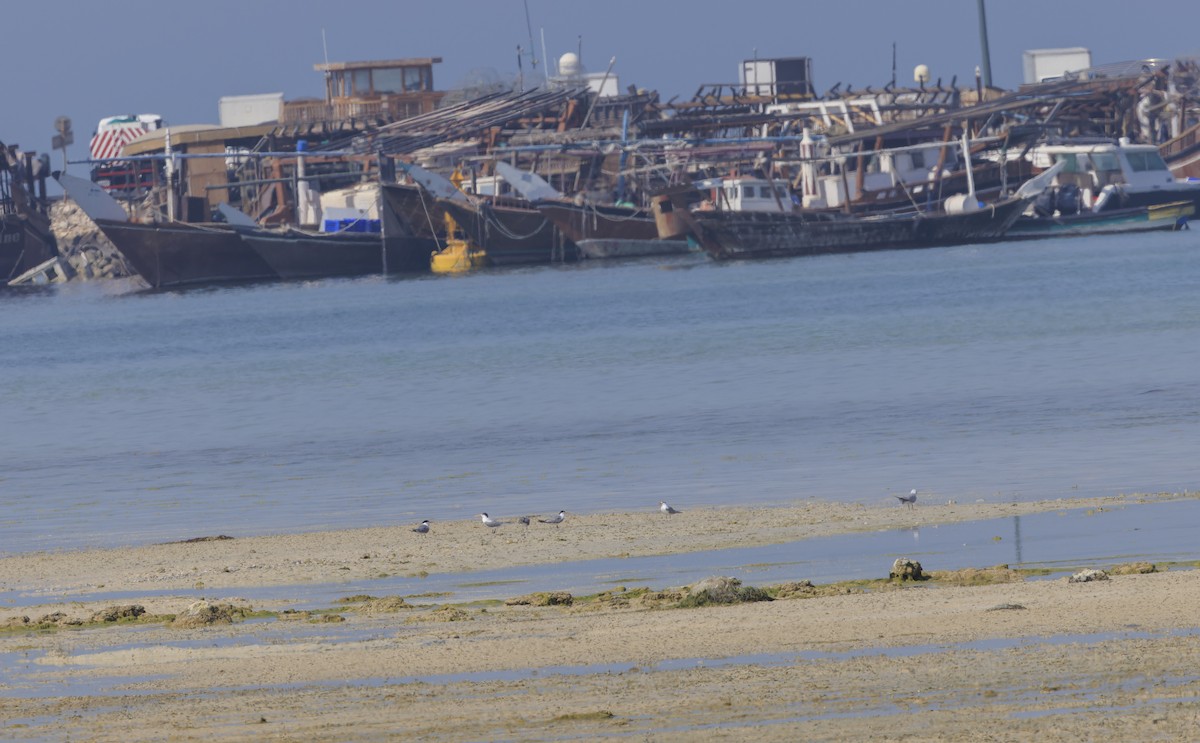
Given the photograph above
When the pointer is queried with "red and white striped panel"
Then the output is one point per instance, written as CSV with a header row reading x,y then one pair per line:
x,y
109,142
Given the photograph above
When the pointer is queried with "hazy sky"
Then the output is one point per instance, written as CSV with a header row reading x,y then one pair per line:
x,y
87,59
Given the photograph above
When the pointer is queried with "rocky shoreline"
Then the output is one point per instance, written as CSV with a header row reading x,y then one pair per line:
x,y
86,251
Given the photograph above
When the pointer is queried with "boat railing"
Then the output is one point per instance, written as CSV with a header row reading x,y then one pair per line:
x,y
317,112
1184,143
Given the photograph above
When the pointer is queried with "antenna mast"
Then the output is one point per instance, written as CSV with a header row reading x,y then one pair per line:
x,y
529,27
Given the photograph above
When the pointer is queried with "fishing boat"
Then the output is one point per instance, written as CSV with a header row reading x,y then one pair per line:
x,y
610,230
416,211
1170,216
169,254
1109,175
510,231
505,230
726,235
300,254
294,253
731,234
26,241
598,230
173,254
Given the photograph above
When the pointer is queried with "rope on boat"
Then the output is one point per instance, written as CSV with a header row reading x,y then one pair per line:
x,y
490,218
203,228
597,213
429,219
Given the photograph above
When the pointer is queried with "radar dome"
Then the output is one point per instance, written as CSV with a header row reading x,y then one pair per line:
x,y
921,73
569,65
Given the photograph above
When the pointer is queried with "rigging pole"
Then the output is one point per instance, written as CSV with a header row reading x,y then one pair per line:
x,y
983,46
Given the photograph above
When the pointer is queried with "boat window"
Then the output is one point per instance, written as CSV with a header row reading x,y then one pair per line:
x,y
765,192
1106,162
747,192
412,78
1143,161
360,81
1072,162
388,81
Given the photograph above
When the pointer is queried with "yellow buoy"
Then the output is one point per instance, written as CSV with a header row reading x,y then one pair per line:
x,y
456,257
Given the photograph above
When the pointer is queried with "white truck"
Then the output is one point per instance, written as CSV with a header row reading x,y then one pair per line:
x,y
112,134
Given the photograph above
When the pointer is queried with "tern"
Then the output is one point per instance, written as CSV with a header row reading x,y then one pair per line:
x,y
423,528
556,520
910,499
662,506
490,522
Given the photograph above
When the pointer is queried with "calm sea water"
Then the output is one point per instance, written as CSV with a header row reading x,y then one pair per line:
x,y
1061,368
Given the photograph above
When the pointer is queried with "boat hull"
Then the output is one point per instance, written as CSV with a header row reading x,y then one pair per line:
x,y
611,231
511,235
299,255
417,213
181,254
732,235
620,248
1139,219
1171,194
22,247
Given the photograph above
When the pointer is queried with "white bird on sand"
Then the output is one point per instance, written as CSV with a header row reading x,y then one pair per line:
x,y
910,499
662,506
556,520
423,528
489,522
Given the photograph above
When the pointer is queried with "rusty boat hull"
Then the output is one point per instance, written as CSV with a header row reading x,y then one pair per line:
x,y
181,254
295,254
611,231
23,246
511,233
733,235
26,239
417,214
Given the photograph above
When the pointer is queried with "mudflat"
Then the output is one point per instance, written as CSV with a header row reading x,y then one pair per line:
x,y
979,655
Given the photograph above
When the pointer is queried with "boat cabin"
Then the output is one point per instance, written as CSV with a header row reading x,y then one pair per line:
x,y
884,172
385,90
487,185
746,194
1100,170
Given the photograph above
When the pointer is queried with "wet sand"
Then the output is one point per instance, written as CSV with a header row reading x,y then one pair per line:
x,y
465,545
1034,659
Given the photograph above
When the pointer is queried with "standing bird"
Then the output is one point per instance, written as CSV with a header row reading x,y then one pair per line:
x,y
910,499
490,522
524,520
556,520
423,528
662,506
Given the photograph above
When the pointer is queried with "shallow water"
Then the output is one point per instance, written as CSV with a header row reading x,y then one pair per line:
x,y
31,675
1061,368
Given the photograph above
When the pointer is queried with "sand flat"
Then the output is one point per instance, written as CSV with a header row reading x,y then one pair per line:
x,y
1036,659
465,544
